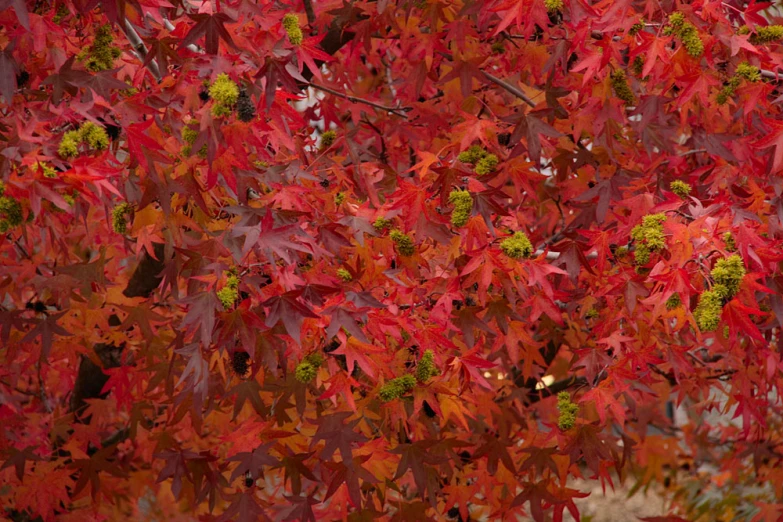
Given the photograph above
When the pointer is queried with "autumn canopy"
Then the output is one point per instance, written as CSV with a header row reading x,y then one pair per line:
x,y
389,260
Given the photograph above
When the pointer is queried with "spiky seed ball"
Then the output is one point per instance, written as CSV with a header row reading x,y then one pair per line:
x,y
729,272
567,409
472,155
246,111
404,243
344,275
240,363
708,311
119,217
680,188
426,368
11,212
327,139
486,164
463,205
305,372
648,237
517,246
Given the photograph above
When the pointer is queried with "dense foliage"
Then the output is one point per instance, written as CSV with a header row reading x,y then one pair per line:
x,y
393,260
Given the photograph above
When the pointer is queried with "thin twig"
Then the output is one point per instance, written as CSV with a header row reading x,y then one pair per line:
x,y
510,88
193,47
308,5
398,111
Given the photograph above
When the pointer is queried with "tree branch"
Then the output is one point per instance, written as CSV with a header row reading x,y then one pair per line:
x,y
510,88
398,111
140,49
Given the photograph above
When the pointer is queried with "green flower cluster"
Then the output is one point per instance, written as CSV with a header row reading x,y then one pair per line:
x,y
621,88
729,272
93,135
592,314
118,217
404,243
567,410
680,188
517,246
686,32
763,35
673,301
745,71
727,275
327,139
397,387
101,55
292,29
225,94
728,238
10,210
189,135
648,237
381,224
48,170
228,294
553,6
498,47
463,205
308,368
483,162
708,311
344,274
426,368
636,28
339,198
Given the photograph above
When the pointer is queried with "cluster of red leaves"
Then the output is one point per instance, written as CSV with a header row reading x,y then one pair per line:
x,y
123,369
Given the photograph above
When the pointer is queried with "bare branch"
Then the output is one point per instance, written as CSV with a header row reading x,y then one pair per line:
x,y
398,111
140,49
308,5
510,88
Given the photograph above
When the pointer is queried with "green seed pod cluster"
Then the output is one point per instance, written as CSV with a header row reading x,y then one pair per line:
x,y
648,237
498,47
745,71
397,387
344,275
381,224
327,139
728,238
686,32
339,198
517,246
621,88
225,93
680,188
404,243
483,162
101,54
10,211
189,136
708,311
48,171
463,205
763,35
553,6
673,301
729,272
567,410
426,368
592,314
636,28
90,134
292,29
228,294
727,275
307,370
62,12
119,220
